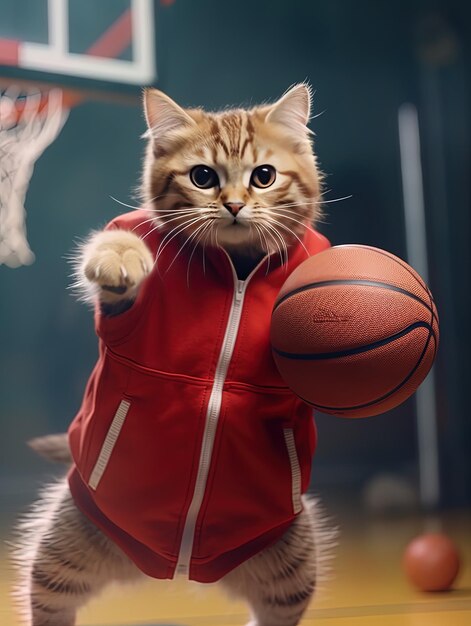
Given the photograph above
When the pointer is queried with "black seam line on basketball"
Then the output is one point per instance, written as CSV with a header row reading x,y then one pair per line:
x,y
386,395
434,317
435,346
352,281
321,356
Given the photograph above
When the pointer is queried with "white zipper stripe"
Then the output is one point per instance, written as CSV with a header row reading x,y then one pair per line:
x,y
109,444
212,418
295,470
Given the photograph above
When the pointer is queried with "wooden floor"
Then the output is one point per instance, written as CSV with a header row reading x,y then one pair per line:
x,y
368,587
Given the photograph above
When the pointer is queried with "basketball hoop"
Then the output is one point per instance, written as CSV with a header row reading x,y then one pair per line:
x,y
121,51
29,123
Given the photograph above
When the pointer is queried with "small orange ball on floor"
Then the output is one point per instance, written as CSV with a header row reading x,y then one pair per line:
x,y
431,562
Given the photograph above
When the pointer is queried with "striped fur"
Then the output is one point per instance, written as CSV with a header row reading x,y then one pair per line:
x,y
279,582
62,559
232,143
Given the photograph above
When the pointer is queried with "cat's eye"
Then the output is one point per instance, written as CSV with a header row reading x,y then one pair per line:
x,y
263,176
204,177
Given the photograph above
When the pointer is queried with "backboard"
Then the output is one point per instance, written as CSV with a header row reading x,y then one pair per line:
x,y
109,41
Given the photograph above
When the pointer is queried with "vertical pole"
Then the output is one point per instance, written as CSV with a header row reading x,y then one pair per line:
x,y
416,243
143,24
58,26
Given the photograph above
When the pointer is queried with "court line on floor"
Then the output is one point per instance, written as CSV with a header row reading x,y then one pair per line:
x,y
338,612
390,609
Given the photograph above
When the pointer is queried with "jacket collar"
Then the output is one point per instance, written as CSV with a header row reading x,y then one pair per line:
x,y
272,267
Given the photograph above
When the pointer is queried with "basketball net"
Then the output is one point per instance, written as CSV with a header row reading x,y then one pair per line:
x,y
29,123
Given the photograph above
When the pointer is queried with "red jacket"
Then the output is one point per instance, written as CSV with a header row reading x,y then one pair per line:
x,y
190,451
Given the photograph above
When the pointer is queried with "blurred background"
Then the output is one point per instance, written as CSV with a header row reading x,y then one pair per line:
x,y
365,60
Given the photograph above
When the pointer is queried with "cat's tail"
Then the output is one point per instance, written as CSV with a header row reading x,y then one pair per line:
x,y
52,447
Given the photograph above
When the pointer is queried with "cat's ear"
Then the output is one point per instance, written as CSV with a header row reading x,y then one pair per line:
x,y
163,115
293,109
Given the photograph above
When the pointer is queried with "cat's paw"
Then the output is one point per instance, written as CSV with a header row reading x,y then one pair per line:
x,y
116,262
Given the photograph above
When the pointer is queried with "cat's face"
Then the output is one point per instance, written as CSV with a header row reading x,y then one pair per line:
x,y
237,179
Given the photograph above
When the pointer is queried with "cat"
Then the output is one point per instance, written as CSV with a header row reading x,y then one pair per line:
x,y
229,196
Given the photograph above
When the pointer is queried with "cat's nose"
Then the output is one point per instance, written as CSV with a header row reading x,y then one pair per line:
x,y
234,207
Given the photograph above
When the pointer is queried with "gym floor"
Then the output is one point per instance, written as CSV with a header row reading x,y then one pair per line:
x,y
368,587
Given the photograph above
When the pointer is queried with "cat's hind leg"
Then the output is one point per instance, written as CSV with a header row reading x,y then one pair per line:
x,y
63,560
279,582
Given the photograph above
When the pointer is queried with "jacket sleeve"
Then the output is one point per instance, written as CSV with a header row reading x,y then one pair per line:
x,y
115,329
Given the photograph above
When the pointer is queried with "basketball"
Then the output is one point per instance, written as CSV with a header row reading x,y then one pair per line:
x,y
354,331
431,562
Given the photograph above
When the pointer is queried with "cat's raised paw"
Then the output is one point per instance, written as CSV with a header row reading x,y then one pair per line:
x,y
116,261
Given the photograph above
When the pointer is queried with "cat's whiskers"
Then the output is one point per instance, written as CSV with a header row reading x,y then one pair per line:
x,y
288,217
173,211
267,212
157,228
216,230
266,247
182,213
162,221
148,202
252,240
307,203
203,233
179,228
159,225
149,210
318,218
259,210
211,233
285,210
155,218
284,245
205,213
290,231
269,219
276,237
337,199
271,232
152,230
187,241
165,213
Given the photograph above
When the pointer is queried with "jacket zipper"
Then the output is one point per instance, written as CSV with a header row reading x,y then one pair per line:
x,y
212,418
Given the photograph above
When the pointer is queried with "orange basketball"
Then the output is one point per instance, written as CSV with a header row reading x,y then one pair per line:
x,y
354,331
431,562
